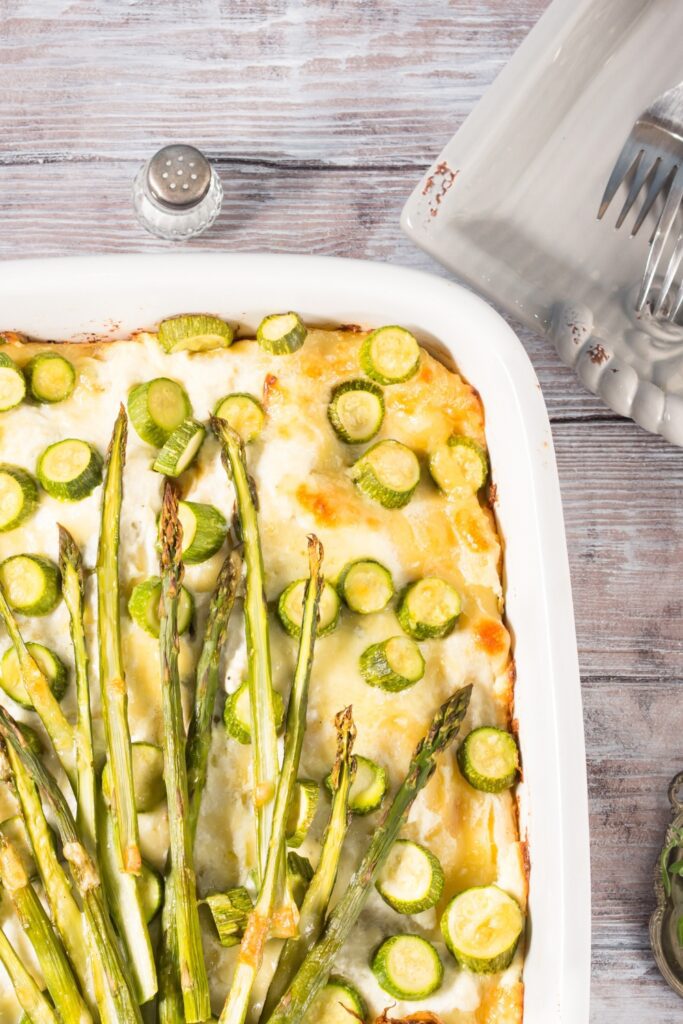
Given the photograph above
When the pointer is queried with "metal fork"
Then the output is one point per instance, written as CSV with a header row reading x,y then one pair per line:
x,y
653,152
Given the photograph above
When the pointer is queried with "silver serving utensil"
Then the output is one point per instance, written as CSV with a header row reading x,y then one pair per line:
x,y
665,923
653,155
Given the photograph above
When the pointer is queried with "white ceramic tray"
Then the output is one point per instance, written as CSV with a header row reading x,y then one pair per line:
x,y
111,296
510,204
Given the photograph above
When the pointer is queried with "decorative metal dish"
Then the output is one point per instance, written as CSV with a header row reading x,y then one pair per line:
x,y
666,923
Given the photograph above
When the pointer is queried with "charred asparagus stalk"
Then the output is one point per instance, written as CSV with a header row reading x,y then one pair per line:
x,y
73,592
264,737
317,898
193,978
112,679
274,907
315,969
49,951
58,728
125,1008
32,1001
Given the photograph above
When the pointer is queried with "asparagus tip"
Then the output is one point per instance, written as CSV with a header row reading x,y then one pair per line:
x,y
346,736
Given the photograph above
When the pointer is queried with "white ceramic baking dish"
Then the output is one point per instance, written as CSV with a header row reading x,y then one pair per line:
x,y
111,296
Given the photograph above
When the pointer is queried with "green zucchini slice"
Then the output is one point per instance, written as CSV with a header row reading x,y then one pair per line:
x,y
290,607
390,355
388,473
180,449
281,333
411,879
366,586
369,787
148,777
393,665
51,378
47,661
18,496
204,531
460,466
356,410
338,1002
143,606
32,738
407,967
237,713
32,584
302,811
194,332
489,759
230,911
481,927
70,470
299,875
151,889
243,413
157,408
12,384
429,608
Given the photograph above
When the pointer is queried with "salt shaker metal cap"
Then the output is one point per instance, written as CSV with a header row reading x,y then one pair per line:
x,y
177,194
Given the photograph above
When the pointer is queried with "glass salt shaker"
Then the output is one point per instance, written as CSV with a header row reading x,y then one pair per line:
x,y
177,194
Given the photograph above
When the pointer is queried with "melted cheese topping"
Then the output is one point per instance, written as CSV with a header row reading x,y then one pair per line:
x,y
302,476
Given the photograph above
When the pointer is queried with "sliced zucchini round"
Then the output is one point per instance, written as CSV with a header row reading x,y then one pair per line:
x,y
369,787
32,584
12,384
18,496
411,879
143,606
157,408
302,811
338,1002
366,586
194,332
32,738
393,665
407,967
290,608
356,410
148,777
151,888
243,413
70,470
481,927
230,912
51,378
388,473
390,355
489,759
204,531
237,713
429,608
180,449
281,333
299,875
47,661
460,466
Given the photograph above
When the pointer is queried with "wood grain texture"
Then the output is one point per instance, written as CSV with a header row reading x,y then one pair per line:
x,y
321,117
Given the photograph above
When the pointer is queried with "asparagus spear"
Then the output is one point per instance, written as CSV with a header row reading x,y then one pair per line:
x,y
267,914
59,730
85,876
50,953
112,680
199,738
264,737
30,998
315,969
194,982
73,592
319,892
199,734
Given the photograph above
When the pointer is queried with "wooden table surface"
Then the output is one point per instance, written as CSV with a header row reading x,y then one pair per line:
x,y
321,116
